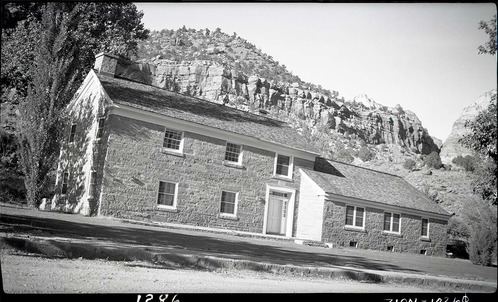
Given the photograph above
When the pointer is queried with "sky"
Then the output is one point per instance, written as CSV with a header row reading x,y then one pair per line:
x,y
422,56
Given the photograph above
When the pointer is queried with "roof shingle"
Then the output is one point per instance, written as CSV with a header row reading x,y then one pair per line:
x,y
153,99
357,182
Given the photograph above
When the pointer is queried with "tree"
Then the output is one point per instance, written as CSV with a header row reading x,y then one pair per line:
x,y
490,29
61,42
483,140
409,164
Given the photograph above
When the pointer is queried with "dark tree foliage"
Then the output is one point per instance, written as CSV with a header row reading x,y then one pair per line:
x,y
483,140
409,164
490,28
433,160
46,56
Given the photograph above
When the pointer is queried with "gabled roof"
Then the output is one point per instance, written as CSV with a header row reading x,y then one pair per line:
x,y
365,184
175,105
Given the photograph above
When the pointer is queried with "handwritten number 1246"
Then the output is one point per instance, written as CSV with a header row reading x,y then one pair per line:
x,y
162,298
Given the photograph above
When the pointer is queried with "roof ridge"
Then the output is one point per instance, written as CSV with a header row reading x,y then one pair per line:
x,y
362,168
197,98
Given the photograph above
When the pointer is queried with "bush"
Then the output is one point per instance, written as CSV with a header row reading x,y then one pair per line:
x,y
344,156
433,160
481,245
409,164
469,163
458,229
365,154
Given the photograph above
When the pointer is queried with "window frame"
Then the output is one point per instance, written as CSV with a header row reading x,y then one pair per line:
x,y
72,133
354,217
64,185
290,171
391,223
239,158
175,195
100,130
180,146
235,204
426,236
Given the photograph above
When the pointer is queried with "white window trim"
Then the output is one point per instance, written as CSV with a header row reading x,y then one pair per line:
x,y
239,161
235,206
291,167
354,217
180,150
428,228
391,223
175,198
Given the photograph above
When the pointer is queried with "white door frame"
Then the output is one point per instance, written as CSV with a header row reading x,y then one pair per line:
x,y
290,207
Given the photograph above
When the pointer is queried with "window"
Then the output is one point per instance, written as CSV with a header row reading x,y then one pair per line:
x,y
93,178
72,133
65,177
167,194
100,128
391,222
233,153
172,139
355,216
228,203
283,166
425,228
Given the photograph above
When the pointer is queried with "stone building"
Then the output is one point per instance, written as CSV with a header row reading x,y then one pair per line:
x,y
140,152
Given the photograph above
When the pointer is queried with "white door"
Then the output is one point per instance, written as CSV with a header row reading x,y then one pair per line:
x,y
277,215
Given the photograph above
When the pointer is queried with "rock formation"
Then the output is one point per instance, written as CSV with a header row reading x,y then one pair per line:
x,y
363,118
451,147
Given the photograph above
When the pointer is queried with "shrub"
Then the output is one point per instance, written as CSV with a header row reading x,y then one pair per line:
x,y
409,164
481,245
343,155
433,160
365,154
469,163
458,229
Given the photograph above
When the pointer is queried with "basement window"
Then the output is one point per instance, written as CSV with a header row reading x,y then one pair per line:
x,y
423,252
390,248
353,244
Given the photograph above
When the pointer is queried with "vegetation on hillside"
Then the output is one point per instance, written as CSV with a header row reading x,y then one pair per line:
x,y
186,44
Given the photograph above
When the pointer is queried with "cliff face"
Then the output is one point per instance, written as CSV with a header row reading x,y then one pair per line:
x,y
362,118
451,147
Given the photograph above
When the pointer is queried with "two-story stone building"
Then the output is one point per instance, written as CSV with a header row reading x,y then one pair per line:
x,y
140,152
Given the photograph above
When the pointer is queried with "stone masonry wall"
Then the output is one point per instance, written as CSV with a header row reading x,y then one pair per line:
x,y
373,237
136,162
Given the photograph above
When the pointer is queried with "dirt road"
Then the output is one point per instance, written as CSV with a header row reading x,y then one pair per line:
x,y
29,273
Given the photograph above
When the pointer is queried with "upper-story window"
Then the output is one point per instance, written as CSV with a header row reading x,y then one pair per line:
x,y
392,222
100,127
233,153
355,216
173,140
283,166
425,228
167,194
72,133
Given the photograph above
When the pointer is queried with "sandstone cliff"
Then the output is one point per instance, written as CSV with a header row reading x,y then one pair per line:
x,y
362,118
451,147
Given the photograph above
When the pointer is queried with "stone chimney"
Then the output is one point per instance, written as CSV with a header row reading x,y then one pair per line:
x,y
106,64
